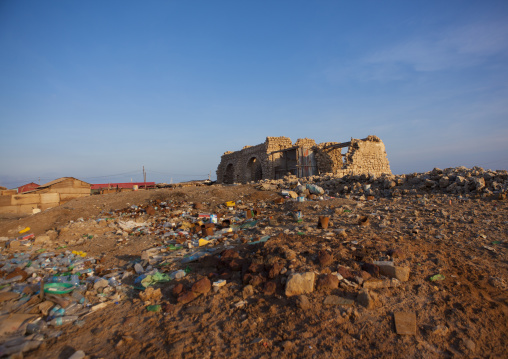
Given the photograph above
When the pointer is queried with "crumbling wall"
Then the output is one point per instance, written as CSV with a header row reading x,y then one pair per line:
x,y
253,163
329,158
305,142
366,156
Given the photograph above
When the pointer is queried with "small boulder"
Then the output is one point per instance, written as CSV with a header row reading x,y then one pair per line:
x,y
202,286
300,283
328,282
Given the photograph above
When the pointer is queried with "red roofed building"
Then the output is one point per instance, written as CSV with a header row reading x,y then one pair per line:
x,y
27,187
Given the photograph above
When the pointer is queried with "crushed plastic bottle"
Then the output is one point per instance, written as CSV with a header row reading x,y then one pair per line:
x,y
63,320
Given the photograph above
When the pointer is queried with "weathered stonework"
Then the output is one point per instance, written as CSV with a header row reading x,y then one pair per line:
x,y
278,156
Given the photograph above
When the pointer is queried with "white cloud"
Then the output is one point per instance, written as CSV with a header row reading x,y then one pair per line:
x,y
455,48
458,47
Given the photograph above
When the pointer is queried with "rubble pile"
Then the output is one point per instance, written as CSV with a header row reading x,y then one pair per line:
x,y
451,181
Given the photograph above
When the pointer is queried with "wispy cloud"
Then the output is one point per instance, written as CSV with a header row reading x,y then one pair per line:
x,y
458,47
454,48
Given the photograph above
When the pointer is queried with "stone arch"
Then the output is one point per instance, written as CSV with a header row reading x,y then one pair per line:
x,y
254,170
229,174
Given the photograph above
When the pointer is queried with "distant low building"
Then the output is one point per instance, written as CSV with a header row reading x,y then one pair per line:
x,y
46,196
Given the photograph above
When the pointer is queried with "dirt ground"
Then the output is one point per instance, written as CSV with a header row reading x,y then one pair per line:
x,y
462,313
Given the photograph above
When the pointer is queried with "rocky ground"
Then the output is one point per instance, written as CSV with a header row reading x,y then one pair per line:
x,y
405,269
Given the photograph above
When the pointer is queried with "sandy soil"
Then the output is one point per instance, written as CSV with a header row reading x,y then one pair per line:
x,y
463,315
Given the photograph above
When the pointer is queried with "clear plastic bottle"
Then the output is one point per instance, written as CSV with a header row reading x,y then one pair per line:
x,y
73,308
36,327
78,297
63,320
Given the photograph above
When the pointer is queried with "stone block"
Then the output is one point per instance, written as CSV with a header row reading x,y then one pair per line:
x,y
391,271
300,283
405,323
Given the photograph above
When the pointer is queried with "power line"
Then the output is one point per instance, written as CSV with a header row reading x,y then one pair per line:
x,y
175,174
119,174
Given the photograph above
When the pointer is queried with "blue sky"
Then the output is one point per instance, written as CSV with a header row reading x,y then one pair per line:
x,y
98,89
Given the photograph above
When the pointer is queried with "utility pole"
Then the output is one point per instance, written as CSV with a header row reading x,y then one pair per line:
x,y
210,175
144,176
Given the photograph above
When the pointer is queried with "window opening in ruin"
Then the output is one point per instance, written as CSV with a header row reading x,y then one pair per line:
x,y
229,174
344,158
254,170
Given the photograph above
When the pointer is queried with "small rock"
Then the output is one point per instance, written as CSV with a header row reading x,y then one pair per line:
x,y
303,302
381,283
325,258
290,254
400,273
328,282
372,269
150,294
440,330
248,291
202,286
270,288
300,283
470,344
195,309
177,289
78,355
405,323
186,297
138,268
41,240
366,299
14,244
336,300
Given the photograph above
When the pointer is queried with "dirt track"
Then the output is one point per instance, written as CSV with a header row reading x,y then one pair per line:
x,y
464,315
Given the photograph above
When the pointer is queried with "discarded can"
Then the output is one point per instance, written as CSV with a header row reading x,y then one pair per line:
x,y
323,222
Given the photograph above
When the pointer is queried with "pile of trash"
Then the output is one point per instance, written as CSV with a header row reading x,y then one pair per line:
x,y
42,291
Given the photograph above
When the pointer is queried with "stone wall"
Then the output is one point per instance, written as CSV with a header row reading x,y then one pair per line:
x,y
329,159
254,163
366,156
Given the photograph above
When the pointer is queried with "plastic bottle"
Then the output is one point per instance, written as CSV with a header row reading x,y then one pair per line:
x,y
78,297
73,308
63,320
36,327
56,311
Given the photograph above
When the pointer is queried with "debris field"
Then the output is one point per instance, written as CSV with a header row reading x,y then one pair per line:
x,y
291,268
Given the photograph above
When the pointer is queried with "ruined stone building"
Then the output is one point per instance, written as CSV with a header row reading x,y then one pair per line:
x,y
278,156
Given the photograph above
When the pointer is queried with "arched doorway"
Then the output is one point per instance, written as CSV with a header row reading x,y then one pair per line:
x,y
229,177
254,170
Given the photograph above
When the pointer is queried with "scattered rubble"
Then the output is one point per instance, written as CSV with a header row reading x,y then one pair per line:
x,y
318,262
